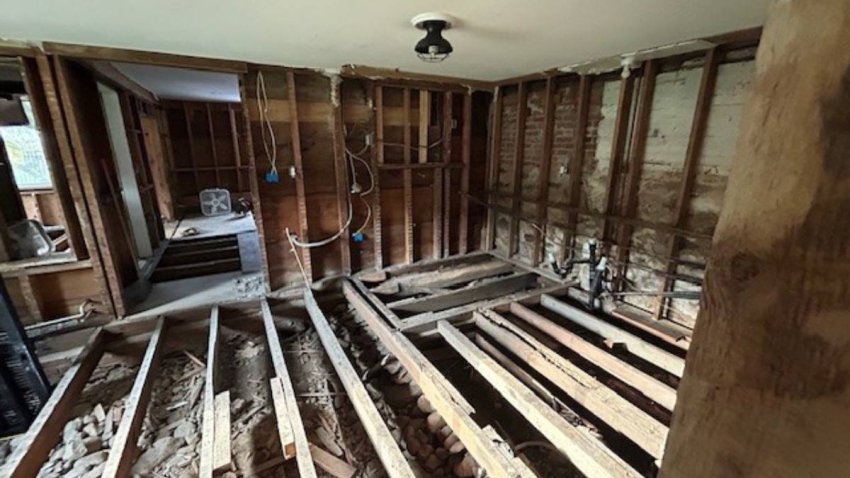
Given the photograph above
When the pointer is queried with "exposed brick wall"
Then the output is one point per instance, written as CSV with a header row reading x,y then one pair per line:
x,y
669,130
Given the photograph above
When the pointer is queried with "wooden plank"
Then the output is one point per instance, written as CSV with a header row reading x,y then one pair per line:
x,y
408,184
221,445
424,124
300,192
144,57
584,451
635,166
648,385
376,158
493,168
207,451
442,203
423,323
576,164
281,412
488,449
385,445
456,298
118,80
466,153
123,452
234,140
333,465
45,431
620,414
375,302
692,156
618,148
516,171
156,155
545,168
636,346
302,451
453,276
212,144
343,191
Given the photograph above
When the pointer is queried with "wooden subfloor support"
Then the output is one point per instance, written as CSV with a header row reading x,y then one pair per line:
x,y
636,345
485,445
648,385
123,452
586,452
45,431
384,444
302,446
766,388
215,445
616,411
456,298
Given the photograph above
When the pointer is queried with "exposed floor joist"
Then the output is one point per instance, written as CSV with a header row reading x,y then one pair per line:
x,y
385,445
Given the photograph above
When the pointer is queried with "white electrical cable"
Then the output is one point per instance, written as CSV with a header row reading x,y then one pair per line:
x,y
263,107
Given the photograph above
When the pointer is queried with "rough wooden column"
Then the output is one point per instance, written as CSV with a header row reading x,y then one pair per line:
x,y
493,168
516,171
576,164
300,193
765,392
377,158
463,227
343,192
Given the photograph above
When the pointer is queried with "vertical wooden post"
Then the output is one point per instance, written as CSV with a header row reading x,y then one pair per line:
x,y
187,113
237,153
765,388
519,153
212,145
493,169
408,183
463,226
377,159
692,155
576,164
440,196
301,197
618,148
545,169
343,193
635,167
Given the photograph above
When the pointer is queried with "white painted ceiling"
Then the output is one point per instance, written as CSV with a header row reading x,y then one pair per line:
x,y
181,84
495,39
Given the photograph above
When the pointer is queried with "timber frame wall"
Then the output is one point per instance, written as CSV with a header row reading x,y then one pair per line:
x,y
552,187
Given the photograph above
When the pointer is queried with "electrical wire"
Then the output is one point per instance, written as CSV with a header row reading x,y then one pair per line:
x,y
263,107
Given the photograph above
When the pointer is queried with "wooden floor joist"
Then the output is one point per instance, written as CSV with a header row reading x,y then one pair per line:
x,y
302,446
45,431
208,425
447,278
637,346
488,449
620,414
587,453
653,388
122,454
384,444
456,298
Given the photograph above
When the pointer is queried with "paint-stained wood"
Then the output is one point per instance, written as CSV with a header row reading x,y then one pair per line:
x,y
300,191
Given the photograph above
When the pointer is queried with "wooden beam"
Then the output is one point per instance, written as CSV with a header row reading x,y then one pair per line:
x,y
636,346
395,76
45,431
221,434
635,166
207,452
213,150
123,452
466,152
452,277
343,191
377,158
488,449
384,444
442,184
584,451
545,168
516,171
281,413
648,385
620,414
618,149
493,168
456,298
234,141
143,57
333,465
408,183
692,156
187,114
300,192
375,302
302,450
110,74
576,163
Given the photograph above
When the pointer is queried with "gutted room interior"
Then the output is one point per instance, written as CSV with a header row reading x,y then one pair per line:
x,y
425,239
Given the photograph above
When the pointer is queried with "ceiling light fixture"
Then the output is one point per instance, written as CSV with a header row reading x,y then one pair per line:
x,y
433,48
